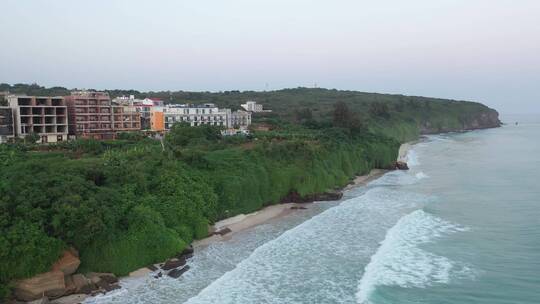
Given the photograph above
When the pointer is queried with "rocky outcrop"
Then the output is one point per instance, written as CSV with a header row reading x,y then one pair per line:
x,y
295,197
488,118
174,263
398,165
50,284
68,263
176,273
223,231
83,284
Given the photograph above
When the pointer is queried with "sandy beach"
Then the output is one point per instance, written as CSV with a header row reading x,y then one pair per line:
x,y
245,221
242,222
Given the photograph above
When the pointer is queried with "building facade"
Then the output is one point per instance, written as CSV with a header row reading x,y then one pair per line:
x,y
196,115
253,106
46,117
7,129
92,115
143,106
240,119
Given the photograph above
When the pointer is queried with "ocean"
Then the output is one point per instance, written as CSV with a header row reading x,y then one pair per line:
x,y
461,226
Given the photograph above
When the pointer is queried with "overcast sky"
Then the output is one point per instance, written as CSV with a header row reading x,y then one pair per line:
x,y
482,50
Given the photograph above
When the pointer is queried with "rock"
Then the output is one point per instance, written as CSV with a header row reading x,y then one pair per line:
x,y
188,250
223,231
71,299
152,267
43,300
174,263
50,284
298,208
295,197
105,286
70,285
400,165
159,275
83,284
68,263
328,196
107,277
176,273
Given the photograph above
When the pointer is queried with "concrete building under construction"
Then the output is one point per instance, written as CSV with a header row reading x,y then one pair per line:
x,y
92,115
7,130
44,116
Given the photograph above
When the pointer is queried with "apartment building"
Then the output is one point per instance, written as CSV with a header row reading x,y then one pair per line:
x,y
143,106
196,115
92,115
7,129
240,119
44,116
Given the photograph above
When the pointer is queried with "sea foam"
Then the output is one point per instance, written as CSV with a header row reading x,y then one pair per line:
x,y
400,261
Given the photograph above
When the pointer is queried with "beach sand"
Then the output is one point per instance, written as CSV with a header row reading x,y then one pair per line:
x,y
245,221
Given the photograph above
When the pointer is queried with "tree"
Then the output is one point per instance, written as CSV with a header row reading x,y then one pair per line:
x,y
379,109
342,115
303,115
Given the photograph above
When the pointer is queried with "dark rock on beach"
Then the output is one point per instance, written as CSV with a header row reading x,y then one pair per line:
x,y
399,165
174,263
176,273
295,197
223,231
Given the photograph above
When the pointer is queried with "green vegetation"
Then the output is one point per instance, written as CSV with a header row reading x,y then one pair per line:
x,y
127,203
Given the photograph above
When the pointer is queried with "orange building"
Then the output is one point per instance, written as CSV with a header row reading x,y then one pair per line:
x,y
157,121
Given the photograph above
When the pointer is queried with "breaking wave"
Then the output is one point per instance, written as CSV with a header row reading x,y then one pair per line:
x,y
400,261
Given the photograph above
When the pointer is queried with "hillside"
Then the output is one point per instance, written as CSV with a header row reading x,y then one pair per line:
x,y
398,116
128,203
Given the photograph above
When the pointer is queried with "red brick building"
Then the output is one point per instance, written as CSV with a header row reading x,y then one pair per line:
x,y
92,115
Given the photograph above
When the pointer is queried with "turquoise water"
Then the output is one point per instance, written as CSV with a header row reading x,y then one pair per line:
x,y
462,226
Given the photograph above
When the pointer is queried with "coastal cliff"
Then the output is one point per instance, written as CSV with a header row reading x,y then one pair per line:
x,y
488,118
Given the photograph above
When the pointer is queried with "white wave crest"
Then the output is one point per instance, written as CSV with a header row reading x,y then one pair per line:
x,y
421,175
412,158
399,261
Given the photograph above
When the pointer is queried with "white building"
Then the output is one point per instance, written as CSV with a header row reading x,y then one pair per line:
x,y
253,106
196,115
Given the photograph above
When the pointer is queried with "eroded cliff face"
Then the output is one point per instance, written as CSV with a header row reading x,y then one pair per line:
x,y
482,120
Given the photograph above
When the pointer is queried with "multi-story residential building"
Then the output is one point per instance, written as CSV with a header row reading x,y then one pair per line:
x,y
44,116
7,129
253,106
240,119
143,106
92,115
163,118
196,115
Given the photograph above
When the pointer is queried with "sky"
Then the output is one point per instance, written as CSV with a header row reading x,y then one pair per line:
x,y
480,50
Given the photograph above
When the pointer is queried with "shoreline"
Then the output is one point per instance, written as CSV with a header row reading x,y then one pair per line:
x,y
241,222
